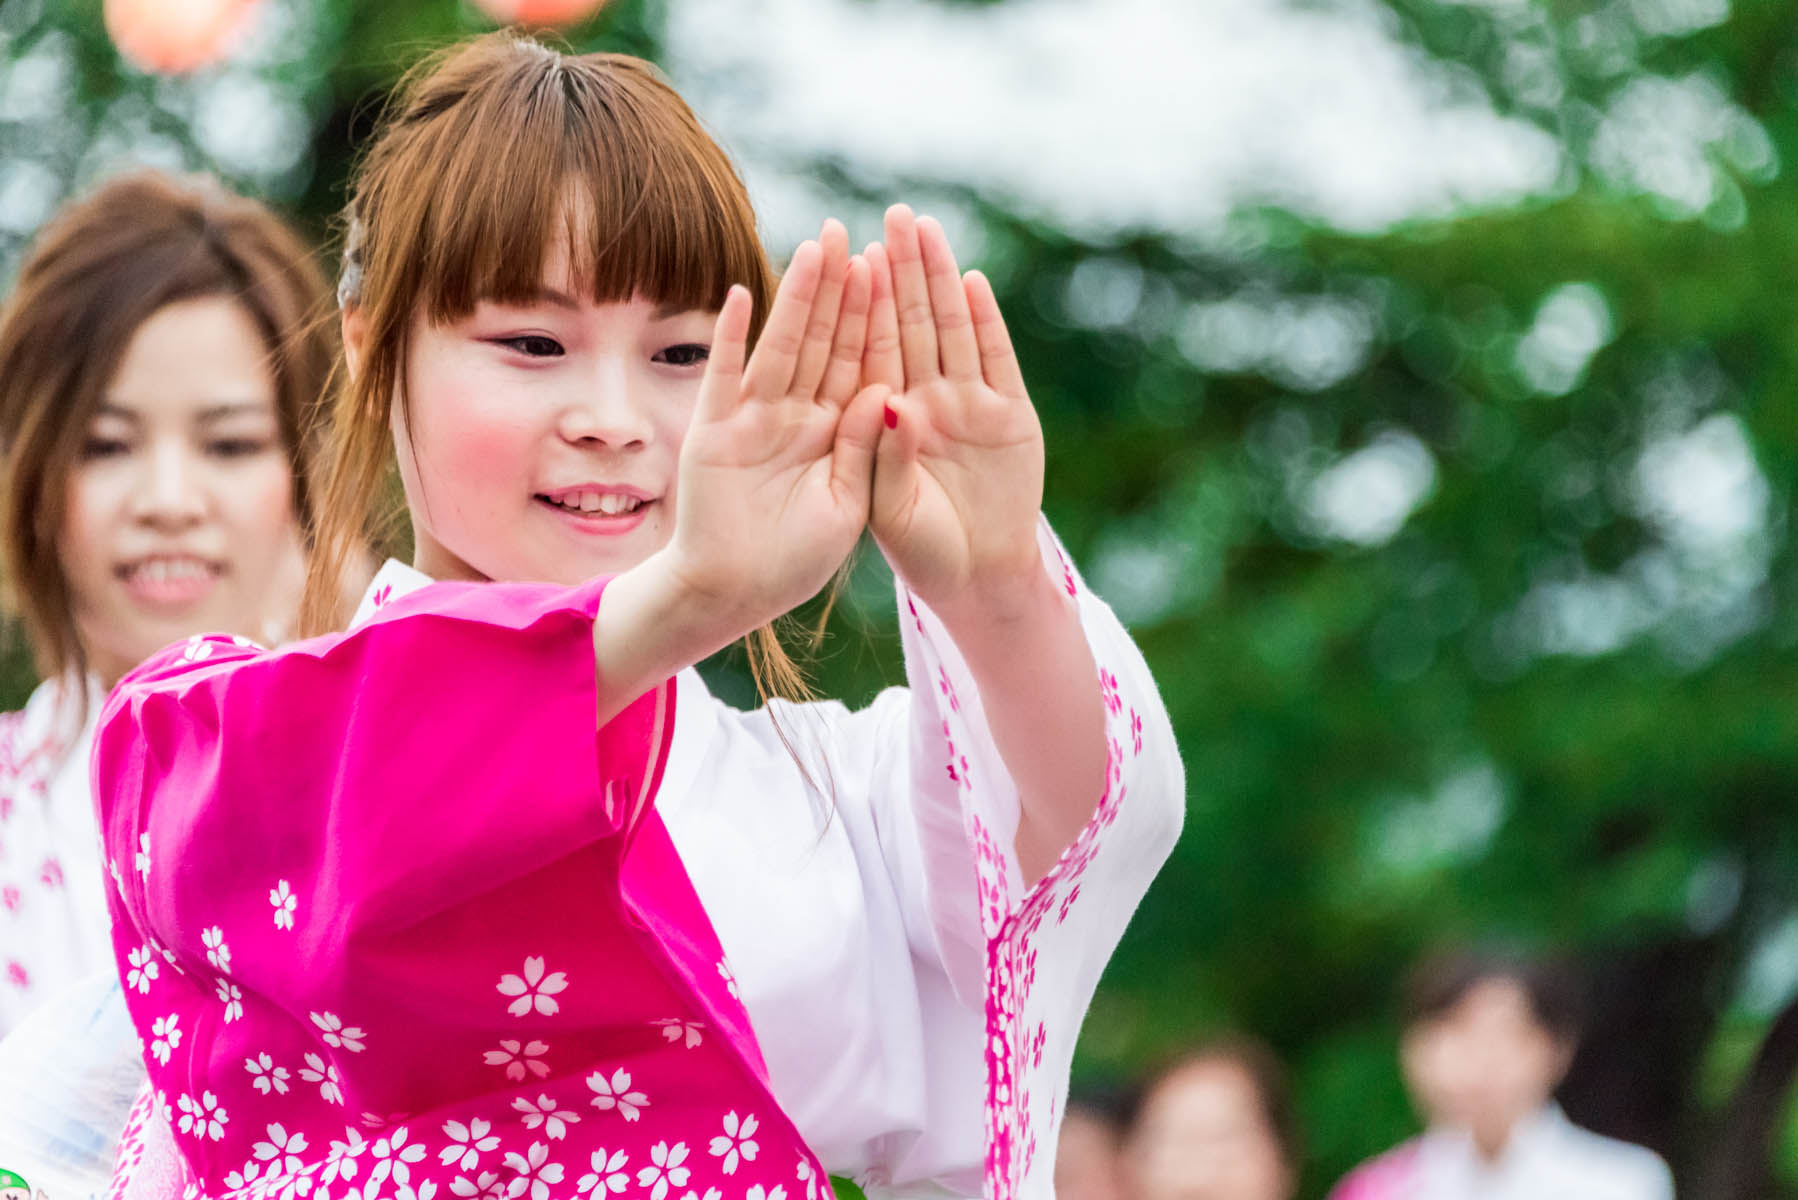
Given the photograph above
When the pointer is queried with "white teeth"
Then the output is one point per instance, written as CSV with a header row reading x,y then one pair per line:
x,y
160,570
609,504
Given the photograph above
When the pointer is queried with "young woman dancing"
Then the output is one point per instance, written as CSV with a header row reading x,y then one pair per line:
x,y
487,896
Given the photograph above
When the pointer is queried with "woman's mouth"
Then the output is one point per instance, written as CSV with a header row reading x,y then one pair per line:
x,y
169,580
598,510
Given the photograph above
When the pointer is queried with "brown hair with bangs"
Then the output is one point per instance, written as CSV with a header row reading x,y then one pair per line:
x,y
97,271
489,153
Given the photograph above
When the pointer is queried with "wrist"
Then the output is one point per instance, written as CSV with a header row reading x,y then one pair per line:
x,y
652,622
1003,606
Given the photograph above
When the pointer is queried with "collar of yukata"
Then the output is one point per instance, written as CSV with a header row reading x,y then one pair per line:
x,y
393,580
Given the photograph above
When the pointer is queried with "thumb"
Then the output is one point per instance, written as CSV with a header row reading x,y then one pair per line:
x,y
896,462
858,438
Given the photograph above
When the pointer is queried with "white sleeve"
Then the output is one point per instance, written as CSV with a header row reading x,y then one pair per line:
x,y
73,1069
1029,958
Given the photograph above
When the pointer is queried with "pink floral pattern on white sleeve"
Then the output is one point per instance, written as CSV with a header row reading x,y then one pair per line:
x,y
1044,946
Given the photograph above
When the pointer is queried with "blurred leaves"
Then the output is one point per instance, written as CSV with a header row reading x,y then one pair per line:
x,y
1461,551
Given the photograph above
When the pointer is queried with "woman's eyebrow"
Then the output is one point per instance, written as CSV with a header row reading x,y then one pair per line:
x,y
240,408
541,295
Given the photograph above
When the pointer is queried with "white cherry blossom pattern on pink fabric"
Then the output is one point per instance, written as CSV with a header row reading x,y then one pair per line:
x,y
534,989
282,1150
142,859
608,1174
807,1178
616,1093
202,1117
675,1030
535,1171
231,996
543,1112
664,1170
318,1071
284,902
392,1158
265,1076
519,1057
426,956
144,969
337,1035
758,1192
735,1144
165,1035
217,952
344,1159
467,1143
488,1185
729,977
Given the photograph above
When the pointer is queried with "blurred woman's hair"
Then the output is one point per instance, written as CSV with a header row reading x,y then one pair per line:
x,y
1256,1062
96,272
491,154
1442,979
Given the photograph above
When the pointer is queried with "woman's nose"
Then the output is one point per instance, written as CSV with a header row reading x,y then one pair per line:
x,y
172,494
608,408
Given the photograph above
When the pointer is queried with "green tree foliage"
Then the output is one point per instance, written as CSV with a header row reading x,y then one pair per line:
x,y
1461,551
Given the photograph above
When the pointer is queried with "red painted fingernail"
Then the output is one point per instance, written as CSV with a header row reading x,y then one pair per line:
x,y
892,418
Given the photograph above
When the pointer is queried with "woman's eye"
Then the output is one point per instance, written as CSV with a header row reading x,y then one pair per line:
x,y
98,447
688,354
236,447
533,345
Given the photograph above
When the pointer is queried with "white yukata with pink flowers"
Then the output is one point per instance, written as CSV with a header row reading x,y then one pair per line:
x,y
915,1005
53,926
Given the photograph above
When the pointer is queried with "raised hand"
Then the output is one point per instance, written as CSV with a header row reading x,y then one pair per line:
x,y
958,477
775,471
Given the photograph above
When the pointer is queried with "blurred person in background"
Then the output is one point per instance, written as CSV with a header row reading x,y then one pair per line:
x,y
1488,1037
161,358
1217,1123
1086,1151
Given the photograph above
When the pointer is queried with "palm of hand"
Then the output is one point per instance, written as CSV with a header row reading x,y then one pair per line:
x,y
776,466
767,468
977,484
958,480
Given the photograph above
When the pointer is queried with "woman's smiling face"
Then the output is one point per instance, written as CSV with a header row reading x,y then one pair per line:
x,y
180,517
541,439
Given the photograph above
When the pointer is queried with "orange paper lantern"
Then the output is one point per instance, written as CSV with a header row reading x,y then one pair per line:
x,y
540,14
173,36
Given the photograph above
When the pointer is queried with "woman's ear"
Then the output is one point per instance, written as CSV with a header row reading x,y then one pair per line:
x,y
355,337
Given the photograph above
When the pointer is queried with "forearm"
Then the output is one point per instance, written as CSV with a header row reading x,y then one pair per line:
x,y
651,625
1040,692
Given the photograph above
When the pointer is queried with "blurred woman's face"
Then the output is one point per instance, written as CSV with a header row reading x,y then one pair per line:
x,y
1086,1159
1202,1135
1484,1065
179,515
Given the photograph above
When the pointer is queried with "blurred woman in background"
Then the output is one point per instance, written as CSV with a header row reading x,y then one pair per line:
x,y
1086,1150
160,361
1217,1123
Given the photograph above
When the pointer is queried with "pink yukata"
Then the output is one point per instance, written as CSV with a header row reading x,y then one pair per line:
x,y
394,920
